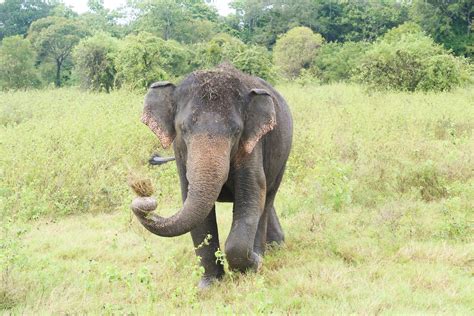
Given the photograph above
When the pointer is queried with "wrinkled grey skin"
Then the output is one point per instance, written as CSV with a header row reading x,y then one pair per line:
x,y
232,135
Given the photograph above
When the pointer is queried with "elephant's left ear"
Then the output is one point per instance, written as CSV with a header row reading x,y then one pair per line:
x,y
260,118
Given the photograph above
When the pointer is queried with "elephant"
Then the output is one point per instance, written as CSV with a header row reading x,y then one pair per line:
x,y
231,134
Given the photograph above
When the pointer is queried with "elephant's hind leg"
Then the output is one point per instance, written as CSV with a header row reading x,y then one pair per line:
x,y
274,231
206,243
269,229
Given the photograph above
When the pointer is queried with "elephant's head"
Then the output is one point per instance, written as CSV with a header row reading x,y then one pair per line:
x,y
212,119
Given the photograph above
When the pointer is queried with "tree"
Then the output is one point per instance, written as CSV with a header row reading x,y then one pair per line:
x,y
187,21
144,58
17,58
54,38
448,22
260,21
295,50
367,20
17,15
94,61
101,19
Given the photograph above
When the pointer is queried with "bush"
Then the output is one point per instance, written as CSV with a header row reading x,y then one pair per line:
x,y
443,72
220,48
254,60
17,58
337,61
408,60
399,33
295,50
144,58
93,58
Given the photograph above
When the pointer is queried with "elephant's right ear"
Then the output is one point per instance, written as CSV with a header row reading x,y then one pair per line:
x,y
158,113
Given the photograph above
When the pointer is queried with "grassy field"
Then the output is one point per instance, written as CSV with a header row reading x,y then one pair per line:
x,y
377,206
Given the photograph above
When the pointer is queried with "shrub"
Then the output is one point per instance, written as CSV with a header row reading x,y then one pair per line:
x,y
398,33
426,179
144,58
254,60
443,72
295,50
175,58
337,61
17,59
220,48
408,60
93,58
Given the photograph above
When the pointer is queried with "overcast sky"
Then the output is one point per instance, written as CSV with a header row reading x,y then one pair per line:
x,y
80,6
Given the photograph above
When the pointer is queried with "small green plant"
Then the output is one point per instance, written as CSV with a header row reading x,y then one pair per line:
x,y
11,255
426,179
337,187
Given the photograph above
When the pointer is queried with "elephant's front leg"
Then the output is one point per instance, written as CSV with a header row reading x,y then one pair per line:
x,y
250,191
206,243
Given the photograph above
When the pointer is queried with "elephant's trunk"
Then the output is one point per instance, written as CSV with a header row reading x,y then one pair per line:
x,y
207,171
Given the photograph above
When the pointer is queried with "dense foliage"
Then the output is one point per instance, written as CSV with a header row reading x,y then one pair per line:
x,y
145,58
448,22
295,50
17,15
310,41
253,59
94,61
54,38
406,59
17,60
338,61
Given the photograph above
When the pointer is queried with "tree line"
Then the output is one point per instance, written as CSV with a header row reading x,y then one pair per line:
x,y
405,45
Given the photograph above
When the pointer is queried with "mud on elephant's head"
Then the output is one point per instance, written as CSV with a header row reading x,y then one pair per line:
x,y
221,103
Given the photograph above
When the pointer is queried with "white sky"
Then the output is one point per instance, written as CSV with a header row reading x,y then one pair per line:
x,y
80,6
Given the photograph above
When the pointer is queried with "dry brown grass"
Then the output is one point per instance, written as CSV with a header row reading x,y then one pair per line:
x,y
140,184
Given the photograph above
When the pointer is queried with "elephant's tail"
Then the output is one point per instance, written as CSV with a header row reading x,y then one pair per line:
x,y
158,160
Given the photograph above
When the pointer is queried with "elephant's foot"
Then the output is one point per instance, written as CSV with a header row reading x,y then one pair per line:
x,y
207,281
275,241
275,234
243,263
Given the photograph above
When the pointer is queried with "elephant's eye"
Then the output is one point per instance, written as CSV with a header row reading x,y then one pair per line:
x,y
235,129
183,127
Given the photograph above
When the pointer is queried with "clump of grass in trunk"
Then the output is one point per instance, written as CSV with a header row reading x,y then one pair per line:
x,y
140,184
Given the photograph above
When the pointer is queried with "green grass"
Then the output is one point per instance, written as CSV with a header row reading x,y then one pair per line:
x,y
377,205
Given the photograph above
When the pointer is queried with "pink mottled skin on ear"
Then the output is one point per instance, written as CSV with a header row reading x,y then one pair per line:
x,y
250,144
150,121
